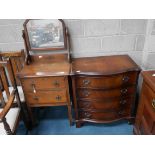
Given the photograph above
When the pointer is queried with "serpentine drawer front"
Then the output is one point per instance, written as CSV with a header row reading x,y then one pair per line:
x,y
104,89
108,82
106,116
103,94
145,118
106,104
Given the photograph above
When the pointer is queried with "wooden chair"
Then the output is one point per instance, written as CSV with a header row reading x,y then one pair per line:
x,y
9,115
16,63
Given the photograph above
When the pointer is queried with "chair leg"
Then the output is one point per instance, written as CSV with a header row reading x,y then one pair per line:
x,y
7,127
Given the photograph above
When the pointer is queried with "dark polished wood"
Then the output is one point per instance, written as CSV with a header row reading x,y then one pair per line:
x,y
145,118
107,82
104,88
104,65
103,94
106,104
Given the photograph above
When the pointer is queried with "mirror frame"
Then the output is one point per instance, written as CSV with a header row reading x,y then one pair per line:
x,y
44,49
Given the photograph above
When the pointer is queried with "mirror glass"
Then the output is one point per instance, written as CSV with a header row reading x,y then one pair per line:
x,y
45,34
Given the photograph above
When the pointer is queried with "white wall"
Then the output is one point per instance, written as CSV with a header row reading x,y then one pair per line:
x,y
135,37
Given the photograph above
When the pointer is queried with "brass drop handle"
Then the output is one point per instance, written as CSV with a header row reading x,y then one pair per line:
x,y
123,91
86,82
87,115
122,102
87,105
120,112
56,83
153,103
86,93
34,88
58,98
125,79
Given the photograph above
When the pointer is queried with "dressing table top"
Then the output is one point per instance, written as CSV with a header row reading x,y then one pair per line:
x,y
48,65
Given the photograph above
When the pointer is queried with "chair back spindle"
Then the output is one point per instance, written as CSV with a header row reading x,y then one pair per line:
x,y
17,61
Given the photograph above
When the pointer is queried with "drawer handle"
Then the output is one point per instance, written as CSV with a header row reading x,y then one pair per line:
x,y
58,98
87,115
121,112
125,79
86,82
34,88
122,102
86,93
124,91
87,105
153,103
56,83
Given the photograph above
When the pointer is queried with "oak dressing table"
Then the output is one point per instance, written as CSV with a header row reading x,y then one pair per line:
x,y
44,77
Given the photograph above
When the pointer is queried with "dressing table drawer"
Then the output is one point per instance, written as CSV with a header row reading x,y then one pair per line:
x,y
43,83
107,82
46,97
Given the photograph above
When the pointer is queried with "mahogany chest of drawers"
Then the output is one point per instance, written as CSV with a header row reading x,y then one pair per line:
x,y
104,88
145,118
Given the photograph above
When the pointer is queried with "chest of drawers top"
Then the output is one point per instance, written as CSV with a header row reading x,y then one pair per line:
x,y
104,65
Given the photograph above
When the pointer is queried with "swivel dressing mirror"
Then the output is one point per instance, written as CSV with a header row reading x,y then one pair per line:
x,y
45,34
